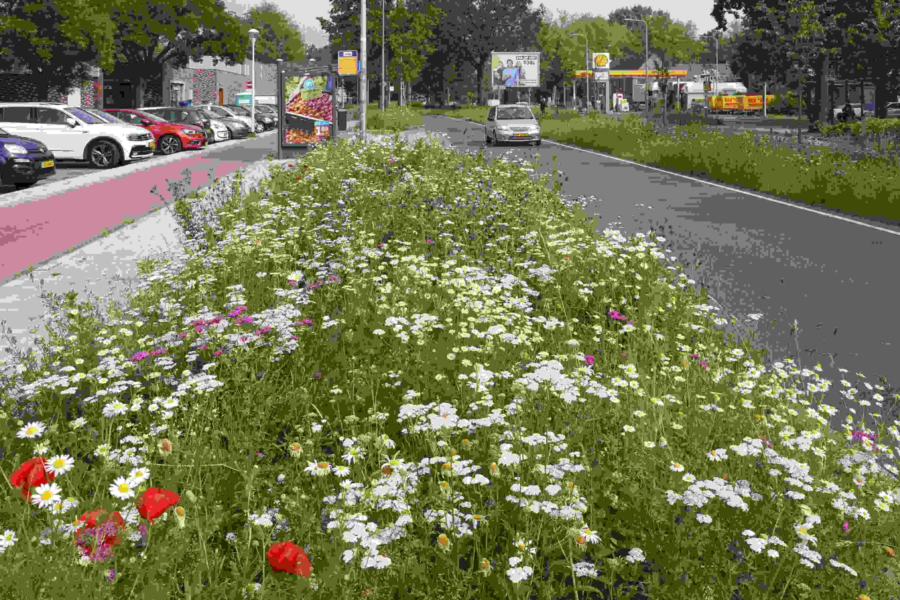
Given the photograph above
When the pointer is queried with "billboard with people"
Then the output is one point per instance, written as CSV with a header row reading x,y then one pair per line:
x,y
516,69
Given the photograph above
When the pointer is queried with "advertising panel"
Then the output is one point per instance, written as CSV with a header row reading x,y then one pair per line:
x,y
308,110
516,69
348,62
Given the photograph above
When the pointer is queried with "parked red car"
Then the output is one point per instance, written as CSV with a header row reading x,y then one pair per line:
x,y
170,137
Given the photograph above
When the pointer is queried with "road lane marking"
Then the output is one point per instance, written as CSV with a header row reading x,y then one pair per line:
x,y
718,185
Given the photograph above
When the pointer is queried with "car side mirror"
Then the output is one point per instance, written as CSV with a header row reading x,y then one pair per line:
x,y
71,122
146,122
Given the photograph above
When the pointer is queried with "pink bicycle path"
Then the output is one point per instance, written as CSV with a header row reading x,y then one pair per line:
x,y
34,232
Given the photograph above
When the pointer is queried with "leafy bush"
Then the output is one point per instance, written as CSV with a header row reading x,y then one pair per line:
x,y
873,126
398,370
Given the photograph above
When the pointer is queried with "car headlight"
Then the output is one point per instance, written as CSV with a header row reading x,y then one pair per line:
x,y
15,149
503,127
135,137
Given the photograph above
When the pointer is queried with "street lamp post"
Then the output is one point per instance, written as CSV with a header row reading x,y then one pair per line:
x,y
254,33
383,105
587,69
646,64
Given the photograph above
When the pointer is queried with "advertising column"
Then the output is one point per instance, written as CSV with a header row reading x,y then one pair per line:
x,y
306,106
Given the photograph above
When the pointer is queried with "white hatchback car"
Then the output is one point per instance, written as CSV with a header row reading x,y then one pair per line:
x,y
512,123
73,134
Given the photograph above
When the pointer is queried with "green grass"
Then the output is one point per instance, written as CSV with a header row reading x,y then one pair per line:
x,y
418,324
869,186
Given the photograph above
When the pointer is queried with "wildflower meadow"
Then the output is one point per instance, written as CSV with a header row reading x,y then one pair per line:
x,y
399,371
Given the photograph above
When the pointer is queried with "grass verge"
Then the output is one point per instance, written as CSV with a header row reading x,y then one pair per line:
x,y
391,371
865,186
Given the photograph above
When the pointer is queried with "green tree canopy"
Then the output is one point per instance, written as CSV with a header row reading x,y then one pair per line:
x,y
149,35
279,35
55,40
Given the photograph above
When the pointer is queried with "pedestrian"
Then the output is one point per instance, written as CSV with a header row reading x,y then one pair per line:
x,y
543,101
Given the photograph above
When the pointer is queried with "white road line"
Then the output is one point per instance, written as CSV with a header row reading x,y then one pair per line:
x,y
718,185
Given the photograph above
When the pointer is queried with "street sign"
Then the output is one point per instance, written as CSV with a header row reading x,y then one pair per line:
x,y
348,62
248,85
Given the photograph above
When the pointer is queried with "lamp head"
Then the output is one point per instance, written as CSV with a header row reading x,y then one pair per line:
x,y
254,34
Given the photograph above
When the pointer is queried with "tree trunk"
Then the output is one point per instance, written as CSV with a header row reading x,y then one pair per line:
x,y
139,93
881,99
479,71
823,90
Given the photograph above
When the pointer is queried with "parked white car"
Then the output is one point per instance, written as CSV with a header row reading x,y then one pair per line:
x,y
73,134
226,112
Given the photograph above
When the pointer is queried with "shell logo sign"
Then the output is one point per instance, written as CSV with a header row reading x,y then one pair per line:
x,y
601,60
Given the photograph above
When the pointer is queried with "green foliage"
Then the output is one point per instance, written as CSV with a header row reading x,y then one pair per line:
x,y
55,40
873,126
279,34
148,35
393,119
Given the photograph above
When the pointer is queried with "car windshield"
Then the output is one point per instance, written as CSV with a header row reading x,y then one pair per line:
x,y
206,115
86,116
239,110
508,113
105,116
151,117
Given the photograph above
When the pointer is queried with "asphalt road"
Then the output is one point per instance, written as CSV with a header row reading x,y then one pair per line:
x,y
754,255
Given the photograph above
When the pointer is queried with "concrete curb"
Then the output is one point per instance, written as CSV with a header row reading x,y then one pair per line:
x,y
58,187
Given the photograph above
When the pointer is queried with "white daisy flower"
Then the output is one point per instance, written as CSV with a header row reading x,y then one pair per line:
x,y
122,488
46,495
32,430
139,475
61,464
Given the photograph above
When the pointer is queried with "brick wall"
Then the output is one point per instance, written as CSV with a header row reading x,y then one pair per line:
x,y
204,83
92,94
185,76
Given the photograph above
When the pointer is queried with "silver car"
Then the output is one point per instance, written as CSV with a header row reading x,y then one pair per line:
x,y
512,123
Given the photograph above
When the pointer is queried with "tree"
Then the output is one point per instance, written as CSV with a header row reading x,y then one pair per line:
x,y
409,41
150,35
670,44
279,35
56,41
873,46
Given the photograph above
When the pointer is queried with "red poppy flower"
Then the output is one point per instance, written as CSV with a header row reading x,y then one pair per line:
x,y
285,556
30,475
155,501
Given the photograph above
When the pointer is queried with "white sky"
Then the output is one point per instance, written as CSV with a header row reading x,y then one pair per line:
x,y
305,12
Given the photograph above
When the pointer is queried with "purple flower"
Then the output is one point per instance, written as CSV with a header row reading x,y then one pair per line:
x,y
139,356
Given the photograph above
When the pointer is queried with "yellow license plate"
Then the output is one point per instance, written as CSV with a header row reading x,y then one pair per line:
x,y
153,144
47,164
521,135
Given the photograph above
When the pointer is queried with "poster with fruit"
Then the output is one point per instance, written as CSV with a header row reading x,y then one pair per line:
x,y
308,109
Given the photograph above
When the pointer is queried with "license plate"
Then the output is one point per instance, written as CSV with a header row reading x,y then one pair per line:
x,y
521,135
153,144
47,164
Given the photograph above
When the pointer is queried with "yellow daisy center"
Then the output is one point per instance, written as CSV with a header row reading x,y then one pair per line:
x,y
59,463
46,495
31,430
123,487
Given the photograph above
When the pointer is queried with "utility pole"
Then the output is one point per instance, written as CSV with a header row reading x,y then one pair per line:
x,y
363,81
383,105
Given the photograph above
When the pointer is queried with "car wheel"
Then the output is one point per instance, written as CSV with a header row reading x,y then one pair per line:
x,y
259,128
170,144
103,154
487,139
537,143
230,135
